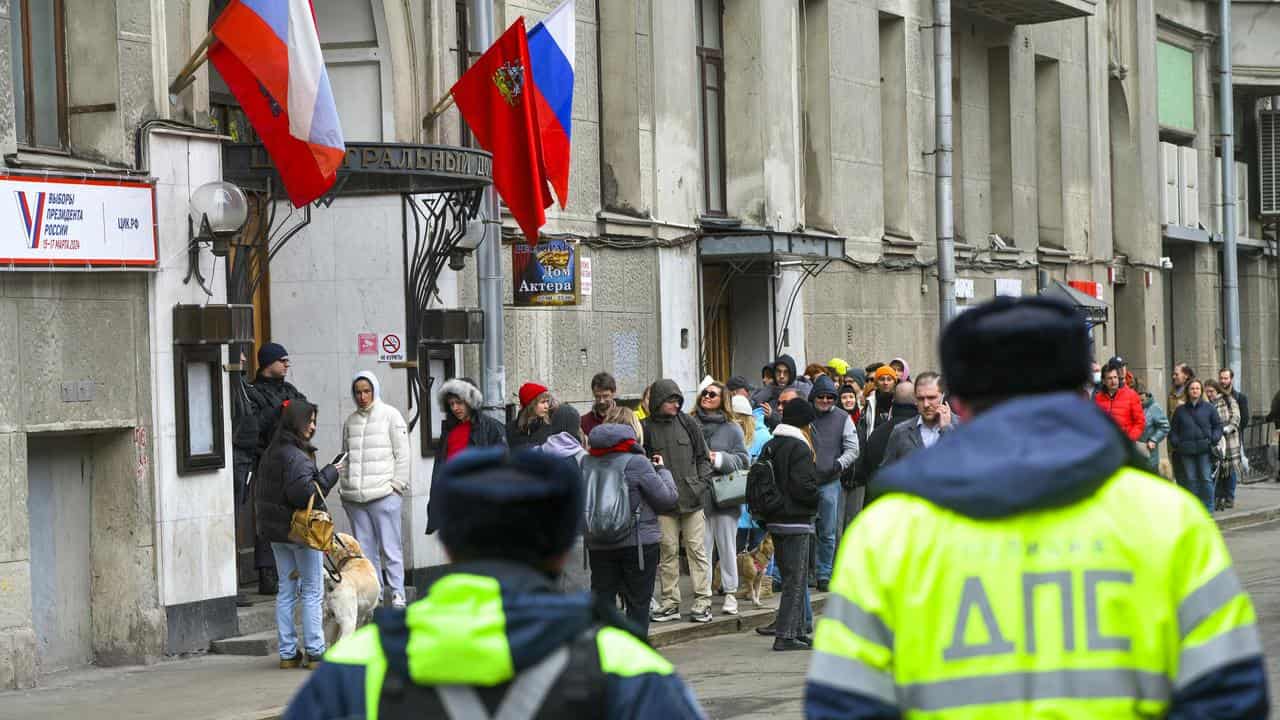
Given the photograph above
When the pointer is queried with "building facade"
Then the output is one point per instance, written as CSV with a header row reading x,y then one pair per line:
x,y
749,178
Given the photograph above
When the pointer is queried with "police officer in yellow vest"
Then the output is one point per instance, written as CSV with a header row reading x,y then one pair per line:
x,y
1025,567
493,637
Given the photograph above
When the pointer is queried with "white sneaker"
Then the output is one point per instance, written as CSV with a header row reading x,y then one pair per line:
x,y
730,604
397,601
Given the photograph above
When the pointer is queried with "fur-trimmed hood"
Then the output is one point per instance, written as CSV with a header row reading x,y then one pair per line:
x,y
464,391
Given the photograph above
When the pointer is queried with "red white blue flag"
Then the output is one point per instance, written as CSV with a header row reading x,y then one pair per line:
x,y
551,54
268,52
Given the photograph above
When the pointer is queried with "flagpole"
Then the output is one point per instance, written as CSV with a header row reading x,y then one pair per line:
x,y
186,76
444,103
489,254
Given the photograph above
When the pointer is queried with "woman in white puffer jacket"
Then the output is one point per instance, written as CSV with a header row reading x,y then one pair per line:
x,y
376,439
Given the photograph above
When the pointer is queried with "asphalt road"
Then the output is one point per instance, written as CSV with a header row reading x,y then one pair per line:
x,y
738,676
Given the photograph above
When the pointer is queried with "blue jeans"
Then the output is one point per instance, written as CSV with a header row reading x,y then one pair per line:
x,y
310,586
1196,476
828,520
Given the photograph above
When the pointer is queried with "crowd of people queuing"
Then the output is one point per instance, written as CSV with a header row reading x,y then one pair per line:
x,y
812,427
825,433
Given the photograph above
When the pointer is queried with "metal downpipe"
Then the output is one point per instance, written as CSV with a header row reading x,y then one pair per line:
x,y
1226,126
943,148
489,254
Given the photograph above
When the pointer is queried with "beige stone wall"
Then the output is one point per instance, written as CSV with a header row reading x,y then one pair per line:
x,y
59,327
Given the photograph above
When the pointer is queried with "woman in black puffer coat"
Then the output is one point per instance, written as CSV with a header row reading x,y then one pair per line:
x,y
796,475
287,479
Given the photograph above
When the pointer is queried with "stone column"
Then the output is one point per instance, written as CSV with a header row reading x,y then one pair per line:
x,y
17,636
620,110
1137,311
761,111
843,150
677,158
8,124
1261,341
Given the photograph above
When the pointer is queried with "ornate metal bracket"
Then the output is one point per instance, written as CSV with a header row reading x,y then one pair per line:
x,y
438,222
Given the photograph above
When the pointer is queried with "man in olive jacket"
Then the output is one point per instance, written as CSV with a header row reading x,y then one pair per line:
x,y
677,437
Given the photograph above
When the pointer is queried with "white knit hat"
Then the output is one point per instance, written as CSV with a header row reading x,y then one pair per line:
x,y
741,405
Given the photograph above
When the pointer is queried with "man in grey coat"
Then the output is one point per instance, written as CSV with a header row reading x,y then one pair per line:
x,y
835,446
933,421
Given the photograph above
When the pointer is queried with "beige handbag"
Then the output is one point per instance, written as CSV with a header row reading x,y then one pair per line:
x,y
313,528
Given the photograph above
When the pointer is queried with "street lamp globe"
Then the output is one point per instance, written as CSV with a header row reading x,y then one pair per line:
x,y
466,244
222,204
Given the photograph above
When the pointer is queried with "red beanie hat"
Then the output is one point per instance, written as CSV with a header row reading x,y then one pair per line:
x,y
530,392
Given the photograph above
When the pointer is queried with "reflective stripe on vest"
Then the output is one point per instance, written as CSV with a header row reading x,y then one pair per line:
x,y
524,697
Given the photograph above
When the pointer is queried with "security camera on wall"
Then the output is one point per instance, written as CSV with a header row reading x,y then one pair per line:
x,y
1166,263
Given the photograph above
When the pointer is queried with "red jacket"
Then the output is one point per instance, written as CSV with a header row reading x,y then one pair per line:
x,y
1125,409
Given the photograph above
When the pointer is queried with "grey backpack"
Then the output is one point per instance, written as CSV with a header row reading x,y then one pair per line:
x,y
609,517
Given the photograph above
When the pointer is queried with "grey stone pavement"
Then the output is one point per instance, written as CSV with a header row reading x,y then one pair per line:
x,y
735,676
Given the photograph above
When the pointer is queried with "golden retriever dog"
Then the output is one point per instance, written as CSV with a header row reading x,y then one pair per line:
x,y
350,601
753,583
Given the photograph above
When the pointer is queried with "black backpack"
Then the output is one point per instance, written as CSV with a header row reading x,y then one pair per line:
x,y
764,497
608,516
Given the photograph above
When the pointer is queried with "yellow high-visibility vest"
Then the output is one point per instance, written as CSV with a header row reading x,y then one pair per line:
x,y
1101,608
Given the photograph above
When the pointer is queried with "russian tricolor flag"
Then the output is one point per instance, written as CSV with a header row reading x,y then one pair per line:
x,y
551,55
268,52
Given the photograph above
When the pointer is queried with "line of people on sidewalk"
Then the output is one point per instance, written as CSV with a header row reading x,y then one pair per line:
x,y
1205,427
672,457
965,525
852,421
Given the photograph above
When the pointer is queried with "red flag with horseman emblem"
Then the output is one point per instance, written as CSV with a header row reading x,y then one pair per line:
x,y
496,100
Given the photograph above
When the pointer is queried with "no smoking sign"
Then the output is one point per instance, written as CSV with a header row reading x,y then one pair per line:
x,y
390,348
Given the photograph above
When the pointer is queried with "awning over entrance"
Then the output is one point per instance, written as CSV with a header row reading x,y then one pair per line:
x,y
1091,308
771,246
1028,12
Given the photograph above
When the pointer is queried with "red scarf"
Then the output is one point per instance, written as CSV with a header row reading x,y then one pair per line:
x,y
624,446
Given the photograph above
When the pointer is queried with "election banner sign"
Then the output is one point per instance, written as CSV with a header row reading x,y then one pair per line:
x,y
77,222
544,274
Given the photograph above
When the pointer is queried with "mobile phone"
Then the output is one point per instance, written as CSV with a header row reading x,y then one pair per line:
x,y
340,457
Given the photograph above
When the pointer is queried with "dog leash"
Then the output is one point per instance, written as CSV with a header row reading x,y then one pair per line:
x,y
335,571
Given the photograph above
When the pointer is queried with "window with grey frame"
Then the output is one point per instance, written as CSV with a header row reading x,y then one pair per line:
x,y
464,56
39,73
711,104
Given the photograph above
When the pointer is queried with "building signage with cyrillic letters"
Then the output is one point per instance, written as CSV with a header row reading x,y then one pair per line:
x,y
72,222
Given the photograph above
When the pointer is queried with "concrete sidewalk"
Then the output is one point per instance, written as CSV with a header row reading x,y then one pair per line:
x,y
209,687
1255,503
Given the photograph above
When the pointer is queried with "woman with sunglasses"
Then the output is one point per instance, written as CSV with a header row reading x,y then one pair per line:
x,y
728,451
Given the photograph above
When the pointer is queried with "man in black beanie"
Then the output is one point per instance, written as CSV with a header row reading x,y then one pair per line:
x,y
253,432
493,634
1024,561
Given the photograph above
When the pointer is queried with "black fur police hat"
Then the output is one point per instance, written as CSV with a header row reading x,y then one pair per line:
x,y
524,506
1016,346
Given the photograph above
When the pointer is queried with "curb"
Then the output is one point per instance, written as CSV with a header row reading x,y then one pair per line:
x,y
1249,517
747,620
274,713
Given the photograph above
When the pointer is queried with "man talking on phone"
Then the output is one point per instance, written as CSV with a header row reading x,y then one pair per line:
x,y
1014,578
